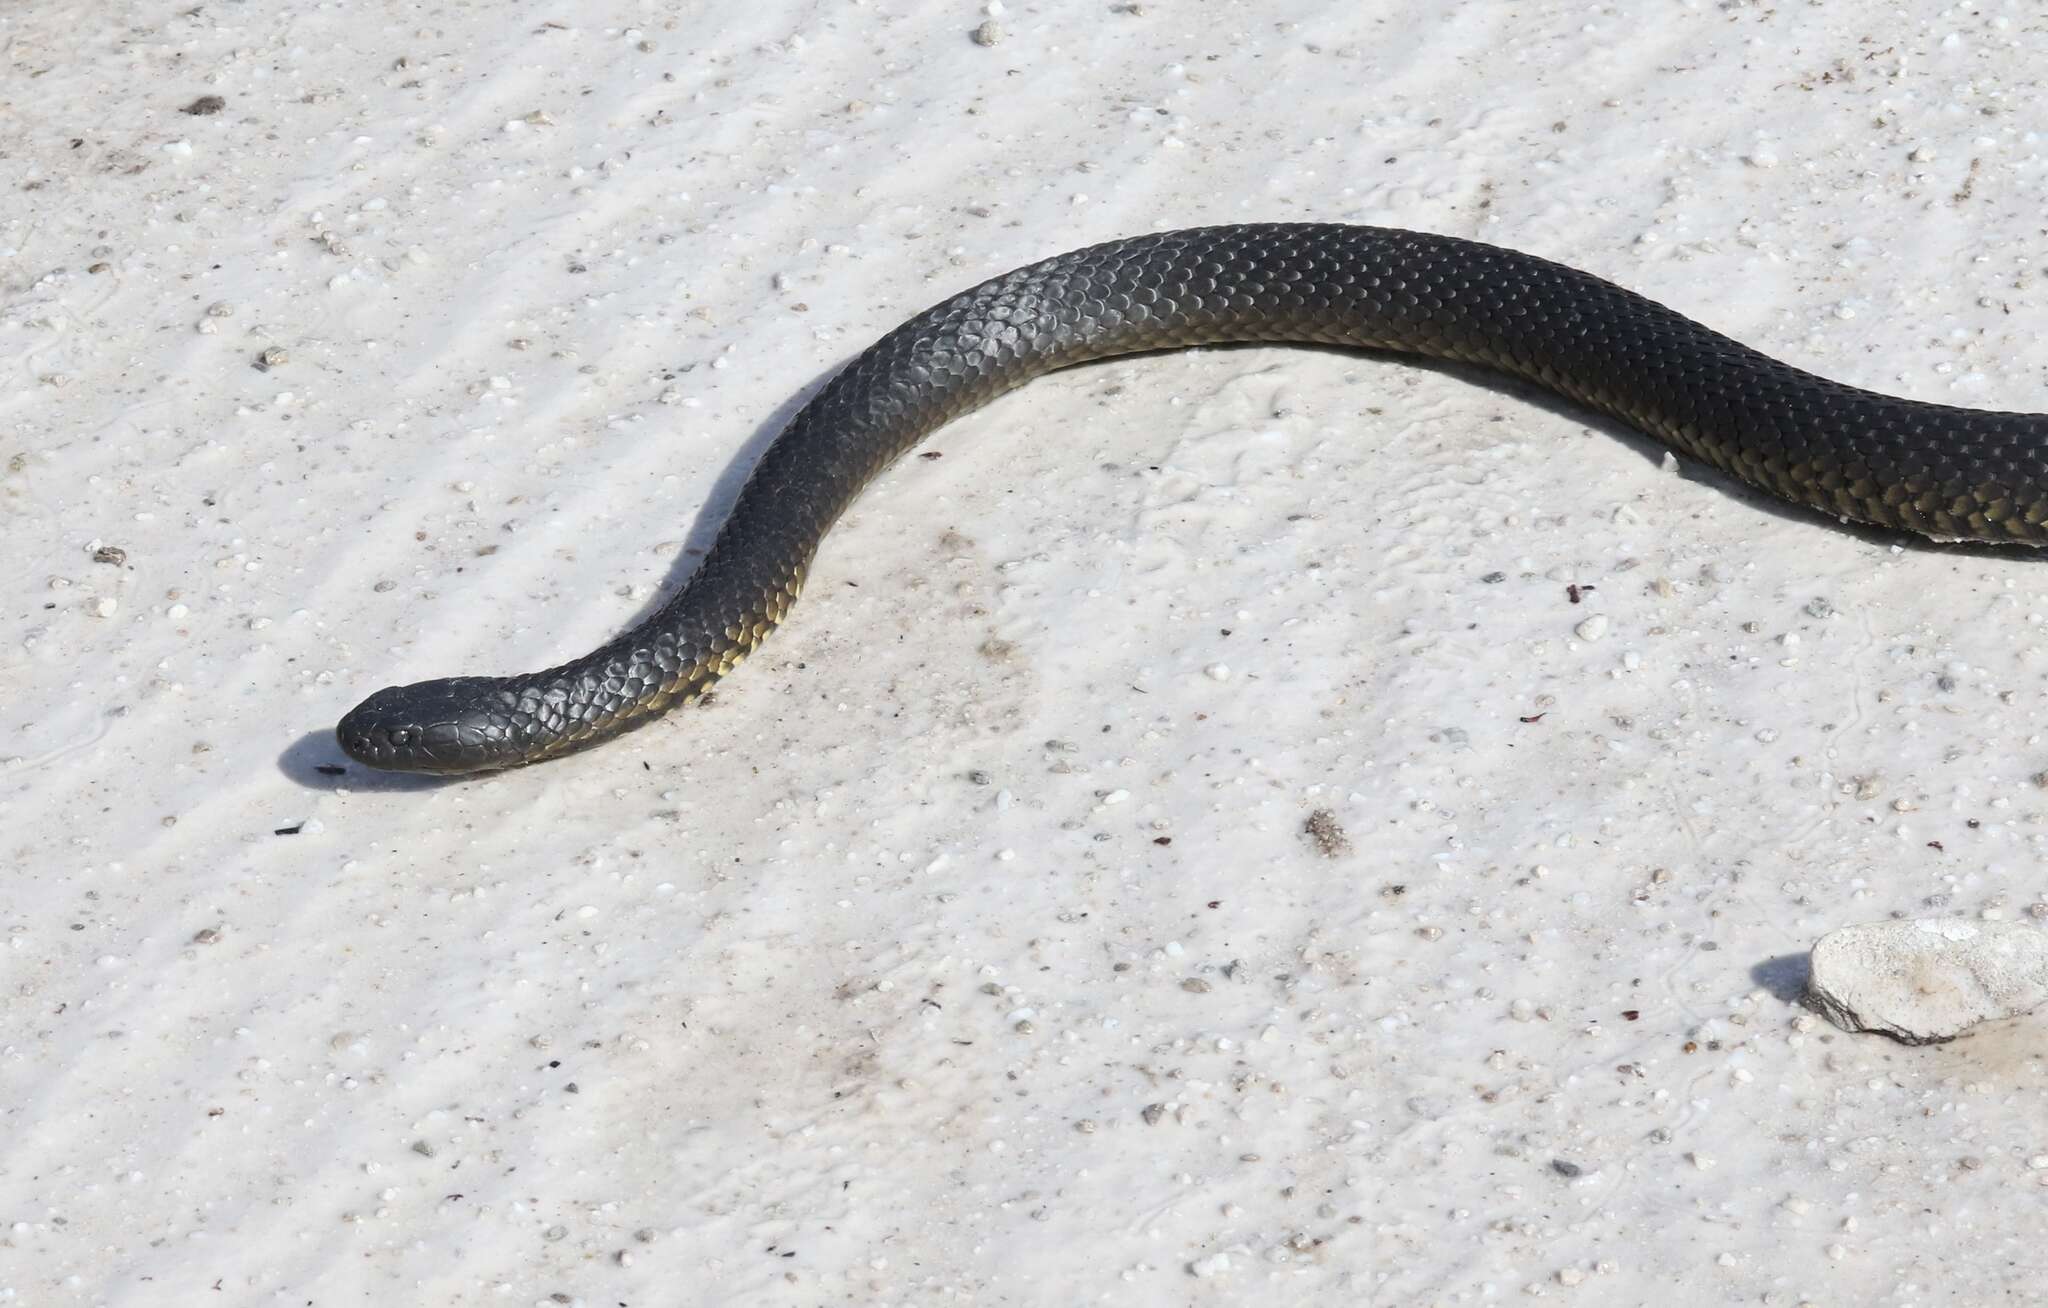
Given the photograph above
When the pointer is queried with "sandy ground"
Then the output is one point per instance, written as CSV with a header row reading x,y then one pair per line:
x,y
970,949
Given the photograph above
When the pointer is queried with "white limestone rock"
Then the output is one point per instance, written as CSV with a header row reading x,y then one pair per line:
x,y
1929,980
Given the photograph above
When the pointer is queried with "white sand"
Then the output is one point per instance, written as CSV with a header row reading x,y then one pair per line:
x,y
780,1001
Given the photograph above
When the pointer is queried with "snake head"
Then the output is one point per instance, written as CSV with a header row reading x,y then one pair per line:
x,y
454,725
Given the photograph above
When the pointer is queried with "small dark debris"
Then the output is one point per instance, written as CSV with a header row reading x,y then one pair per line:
x,y
205,104
1631,1014
1162,840
1935,845
1215,903
289,831
1575,592
1534,717
1565,1167
330,769
113,554
1494,578
932,454
1328,834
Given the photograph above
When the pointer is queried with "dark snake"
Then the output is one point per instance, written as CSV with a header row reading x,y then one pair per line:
x,y
1944,472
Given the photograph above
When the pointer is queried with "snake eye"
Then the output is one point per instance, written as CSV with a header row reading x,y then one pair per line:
x,y
403,736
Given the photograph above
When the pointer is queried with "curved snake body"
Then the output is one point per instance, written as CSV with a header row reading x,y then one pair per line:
x,y
1941,471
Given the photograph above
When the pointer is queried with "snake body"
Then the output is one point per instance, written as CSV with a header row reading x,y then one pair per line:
x,y
1934,469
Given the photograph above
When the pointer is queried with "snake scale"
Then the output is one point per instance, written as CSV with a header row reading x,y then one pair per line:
x,y
1944,472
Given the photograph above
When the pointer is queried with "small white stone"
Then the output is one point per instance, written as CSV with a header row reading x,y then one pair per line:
x,y
1218,671
1214,1265
1593,628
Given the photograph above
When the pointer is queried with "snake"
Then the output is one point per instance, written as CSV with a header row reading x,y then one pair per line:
x,y
1944,472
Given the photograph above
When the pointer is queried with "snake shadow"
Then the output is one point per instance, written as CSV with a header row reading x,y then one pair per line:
x,y
315,759
1651,450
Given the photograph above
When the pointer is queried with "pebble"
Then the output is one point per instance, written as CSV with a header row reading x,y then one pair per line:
x,y
1218,671
1214,1265
1928,980
989,33
1593,628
